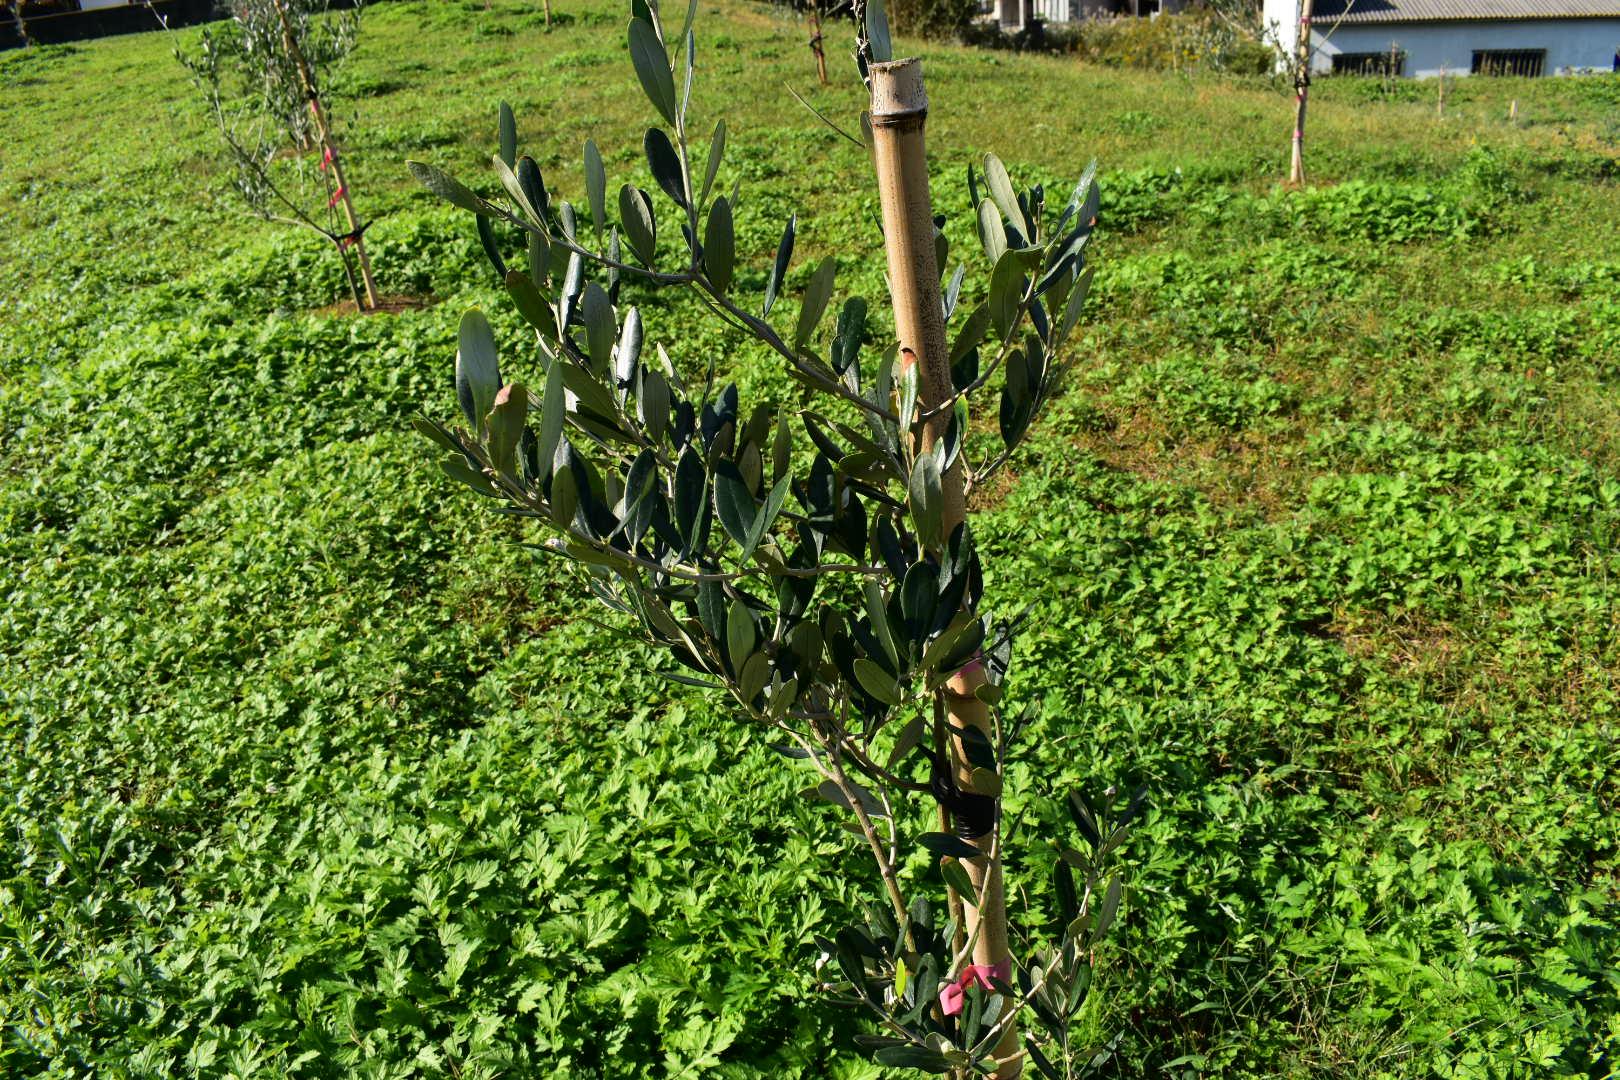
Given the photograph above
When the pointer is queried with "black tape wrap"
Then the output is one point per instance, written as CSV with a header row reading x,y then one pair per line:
x,y
973,814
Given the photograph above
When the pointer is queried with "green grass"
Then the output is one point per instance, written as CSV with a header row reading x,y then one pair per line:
x,y
312,771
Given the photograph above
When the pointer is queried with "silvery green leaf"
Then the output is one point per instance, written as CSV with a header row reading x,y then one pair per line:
x,y
665,165
956,877
640,227
925,498
1077,299
784,255
735,505
946,845
992,234
455,466
539,258
505,423
751,679
508,128
486,237
717,151
1017,400
782,447
877,32
478,373
596,186
446,187
691,488
553,411
436,431
533,184
514,189
691,61
877,613
626,356
597,311
652,68
908,390
767,516
816,296
1006,291
531,304
1108,909
971,333
573,279
691,17
564,496
869,802
653,403
953,291
907,740
876,682
1001,190
719,245
741,634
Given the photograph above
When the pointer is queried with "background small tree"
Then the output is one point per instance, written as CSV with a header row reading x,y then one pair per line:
x,y
264,74
815,564
1296,57
817,13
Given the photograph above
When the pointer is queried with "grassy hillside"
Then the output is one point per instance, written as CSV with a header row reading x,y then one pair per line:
x,y
312,771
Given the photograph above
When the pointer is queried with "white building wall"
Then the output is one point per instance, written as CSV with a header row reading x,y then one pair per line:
x,y
1572,45
1281,19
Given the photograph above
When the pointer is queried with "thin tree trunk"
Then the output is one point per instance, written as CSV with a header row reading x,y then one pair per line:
x,y
330,151
1302,90
1440,94
815,45
348,274
547,4
899,109
22,27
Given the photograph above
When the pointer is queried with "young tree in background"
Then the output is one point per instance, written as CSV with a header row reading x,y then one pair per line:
x,y
817,13
264,74
1297,45
1302,91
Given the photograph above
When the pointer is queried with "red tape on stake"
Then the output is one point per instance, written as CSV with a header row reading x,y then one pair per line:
x,y
951,998
336,196
326,158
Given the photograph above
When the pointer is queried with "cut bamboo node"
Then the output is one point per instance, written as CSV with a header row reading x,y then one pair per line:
x,y
898,96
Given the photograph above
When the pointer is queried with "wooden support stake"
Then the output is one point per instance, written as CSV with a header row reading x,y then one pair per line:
x,y
329,149
899,110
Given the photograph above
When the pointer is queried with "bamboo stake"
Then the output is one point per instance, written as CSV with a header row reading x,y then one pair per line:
x,y
1302,89
1440,94
329,149
899,110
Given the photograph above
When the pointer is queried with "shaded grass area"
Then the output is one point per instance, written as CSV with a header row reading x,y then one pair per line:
x,y
312,771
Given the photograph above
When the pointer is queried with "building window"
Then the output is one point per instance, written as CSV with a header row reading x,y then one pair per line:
x,y
1369,63
1525,63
